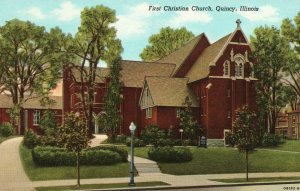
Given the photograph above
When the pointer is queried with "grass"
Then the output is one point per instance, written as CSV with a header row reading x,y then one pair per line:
x,y
100,186
35,172
269,179
288,145
229,160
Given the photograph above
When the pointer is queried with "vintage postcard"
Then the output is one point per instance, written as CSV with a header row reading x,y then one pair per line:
x,y
149,95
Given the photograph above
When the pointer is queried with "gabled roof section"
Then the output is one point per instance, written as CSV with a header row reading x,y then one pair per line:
x,y
200,69
133,72
33,103
178,56
101,74
171,92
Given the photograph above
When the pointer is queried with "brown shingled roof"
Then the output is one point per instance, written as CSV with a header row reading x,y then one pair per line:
x,y
101,73
133,72
178,56
168,91
34,103
200,69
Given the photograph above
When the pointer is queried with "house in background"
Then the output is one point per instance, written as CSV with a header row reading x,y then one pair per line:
x,y
33,111
281,128
218,77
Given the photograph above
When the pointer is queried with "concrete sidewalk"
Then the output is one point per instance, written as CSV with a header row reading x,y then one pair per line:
x,y
12,175
174,181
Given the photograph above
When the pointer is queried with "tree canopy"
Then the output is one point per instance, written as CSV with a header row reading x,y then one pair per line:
x,y
30,62
94,42
165,42
270,51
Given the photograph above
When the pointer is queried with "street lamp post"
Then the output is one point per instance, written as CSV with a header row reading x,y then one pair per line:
x,y
132,127
181,131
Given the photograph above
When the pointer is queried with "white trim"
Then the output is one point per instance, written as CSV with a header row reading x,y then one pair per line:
x,y
236,43
213,63
145,107
36,117
226,65
223,77
253,79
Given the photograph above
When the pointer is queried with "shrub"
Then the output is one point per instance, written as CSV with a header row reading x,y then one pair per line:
x,y
6,129
189,142
151,134
230,139
165,142
121,139
136,142
54,156
121,151
270,140
31,140
170,154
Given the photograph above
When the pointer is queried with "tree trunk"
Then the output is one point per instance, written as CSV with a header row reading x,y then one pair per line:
x,y
247,167
78,170
21,121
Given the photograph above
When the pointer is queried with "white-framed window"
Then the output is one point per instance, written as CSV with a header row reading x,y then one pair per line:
x,y
251,70
36,117
294,118
241,69
239,66
236,70
228,114
178,112
149,112
228,92
226,68
294,130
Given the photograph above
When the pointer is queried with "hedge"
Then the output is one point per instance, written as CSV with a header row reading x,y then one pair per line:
x,y
121,151
170,154
54,156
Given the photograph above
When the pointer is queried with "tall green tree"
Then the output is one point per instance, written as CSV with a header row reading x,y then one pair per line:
x,y
270,51
73,135
190,126
290,30
165,42
245,134
49,127
30,62
94,42
112,100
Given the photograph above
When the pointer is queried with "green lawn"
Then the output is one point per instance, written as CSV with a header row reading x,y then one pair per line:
x,y
229,160
54,173
270,179
100,186
288,145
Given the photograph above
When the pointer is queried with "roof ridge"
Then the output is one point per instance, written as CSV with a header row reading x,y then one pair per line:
x,y
198,36
147,62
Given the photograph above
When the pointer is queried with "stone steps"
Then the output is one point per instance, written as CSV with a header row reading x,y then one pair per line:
x,y
143,168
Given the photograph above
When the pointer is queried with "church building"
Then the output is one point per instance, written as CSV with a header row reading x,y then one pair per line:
x,y
217,77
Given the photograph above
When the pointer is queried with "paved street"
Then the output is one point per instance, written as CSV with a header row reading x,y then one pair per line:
x,y
281,187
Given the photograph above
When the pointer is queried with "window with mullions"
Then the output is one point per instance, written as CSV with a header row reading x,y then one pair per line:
x,y
36,117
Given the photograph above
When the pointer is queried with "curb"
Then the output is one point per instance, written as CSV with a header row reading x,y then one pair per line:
x,y
203,186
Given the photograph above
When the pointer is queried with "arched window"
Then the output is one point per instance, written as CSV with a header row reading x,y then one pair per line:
x,y
241,69
236,69
239,65
251,70
226,68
